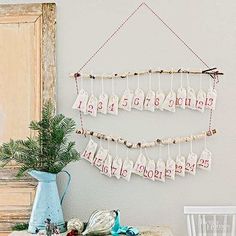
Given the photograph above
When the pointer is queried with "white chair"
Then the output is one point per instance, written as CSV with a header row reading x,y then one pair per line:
x,y
211,220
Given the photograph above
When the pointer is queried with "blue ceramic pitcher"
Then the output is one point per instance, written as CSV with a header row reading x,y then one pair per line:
x,y
47,203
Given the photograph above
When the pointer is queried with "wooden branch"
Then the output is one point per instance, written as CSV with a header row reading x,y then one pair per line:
x,y
211,72
154,143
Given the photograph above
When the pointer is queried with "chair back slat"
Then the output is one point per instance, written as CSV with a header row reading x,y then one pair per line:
x,y
211,221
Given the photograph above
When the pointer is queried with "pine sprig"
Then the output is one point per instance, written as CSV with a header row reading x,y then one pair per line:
x,y
49,151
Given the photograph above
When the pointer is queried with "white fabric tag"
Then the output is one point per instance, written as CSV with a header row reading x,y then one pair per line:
x,y
90,151
170,169
126,170
140,164
204,161
126,100
159,99
201,100
160,170
92,106
102,103
116,167
169,103
181,97
138,99
191,98
81,101
113,105
106,167
100,157
191,163
149,101
180,165
149,171
211,99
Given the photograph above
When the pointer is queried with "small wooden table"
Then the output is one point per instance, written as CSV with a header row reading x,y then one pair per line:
x,y
144,231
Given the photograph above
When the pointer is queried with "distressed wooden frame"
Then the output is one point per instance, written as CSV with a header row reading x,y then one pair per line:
x,y
43,15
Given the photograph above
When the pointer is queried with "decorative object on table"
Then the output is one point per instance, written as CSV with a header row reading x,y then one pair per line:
x,y
75,224
20,227
43,157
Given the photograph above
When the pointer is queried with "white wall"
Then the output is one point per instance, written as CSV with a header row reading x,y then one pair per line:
x,y
210,28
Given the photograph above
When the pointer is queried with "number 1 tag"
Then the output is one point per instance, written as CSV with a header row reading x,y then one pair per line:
x,y
140,165
149,101
191,163
160,171
191,99
170,169
169,103
138,99
126,100
113,105
81,101
181,97
100,157
92,106
159,99
149,170
106,167
204,161
126,169
211,99
180,165
102,103
201,100
89,151
116,167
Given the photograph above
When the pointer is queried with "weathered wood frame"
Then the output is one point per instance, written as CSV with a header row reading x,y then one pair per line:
x,y
43,15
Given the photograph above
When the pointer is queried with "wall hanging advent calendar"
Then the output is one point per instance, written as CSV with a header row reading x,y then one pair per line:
x,y
195,99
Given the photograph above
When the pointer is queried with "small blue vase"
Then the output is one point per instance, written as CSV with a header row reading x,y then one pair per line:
x,y
47,203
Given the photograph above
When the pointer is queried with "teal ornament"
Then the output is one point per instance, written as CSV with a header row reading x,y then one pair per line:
x,y
118,229
47,203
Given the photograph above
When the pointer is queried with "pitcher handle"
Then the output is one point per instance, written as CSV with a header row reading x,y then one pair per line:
x,y
67,185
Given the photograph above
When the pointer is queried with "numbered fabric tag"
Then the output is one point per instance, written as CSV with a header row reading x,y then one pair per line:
x,y
116,167
159,99
170,169
90,151
191,99
106,167
160,171
204,161
126,100
126,169
138,99
113,105
140,165
149,101
149,170
180,165
181,97
169,103
100,157
191,163
211,99
81,101
102,103
92,106
201,100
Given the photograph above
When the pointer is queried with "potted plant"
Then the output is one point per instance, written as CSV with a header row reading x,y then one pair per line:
x,y
43,156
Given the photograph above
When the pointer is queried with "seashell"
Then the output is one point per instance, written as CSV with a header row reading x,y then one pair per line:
x,y
75,224
100,222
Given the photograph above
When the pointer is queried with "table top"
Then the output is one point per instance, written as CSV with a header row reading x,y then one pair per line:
x,y
144,231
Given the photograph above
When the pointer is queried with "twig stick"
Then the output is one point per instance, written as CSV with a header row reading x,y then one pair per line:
x,y
154,143
211,72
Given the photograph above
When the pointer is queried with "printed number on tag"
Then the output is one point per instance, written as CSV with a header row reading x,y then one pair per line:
x,y
89,151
